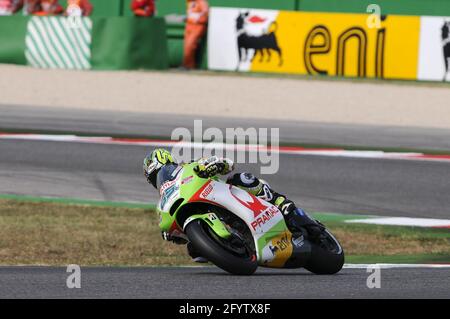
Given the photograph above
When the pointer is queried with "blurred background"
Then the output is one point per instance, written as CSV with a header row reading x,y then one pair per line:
x,y
358,90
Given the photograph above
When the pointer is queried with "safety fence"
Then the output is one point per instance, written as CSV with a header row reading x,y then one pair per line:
x,y
23,43
111,8
335,44
84,43
389,7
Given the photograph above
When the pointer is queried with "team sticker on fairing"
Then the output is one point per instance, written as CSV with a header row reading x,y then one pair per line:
x,y
166,186
207,191
187,180
167,191
278,250
264,217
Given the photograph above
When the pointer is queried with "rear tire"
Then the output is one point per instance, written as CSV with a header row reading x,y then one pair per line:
x,y
323,261
215,253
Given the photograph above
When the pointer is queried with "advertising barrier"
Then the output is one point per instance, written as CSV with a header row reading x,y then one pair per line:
x,y
118,43
434,54
127,43
12,36
52,42
334,44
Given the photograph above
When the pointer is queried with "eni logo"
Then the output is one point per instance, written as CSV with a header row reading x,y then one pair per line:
x,y
322,33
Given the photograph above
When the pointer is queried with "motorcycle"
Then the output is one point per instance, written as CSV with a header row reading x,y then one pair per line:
x,y
237,231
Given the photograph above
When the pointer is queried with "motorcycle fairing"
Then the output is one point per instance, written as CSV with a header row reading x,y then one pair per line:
x,y
273,240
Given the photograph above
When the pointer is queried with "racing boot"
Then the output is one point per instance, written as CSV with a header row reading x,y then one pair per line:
x,y
296,218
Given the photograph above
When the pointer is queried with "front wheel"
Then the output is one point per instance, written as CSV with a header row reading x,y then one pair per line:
x,y
327,257
234,258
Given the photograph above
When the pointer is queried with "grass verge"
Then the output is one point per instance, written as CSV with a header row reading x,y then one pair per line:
x,y
40,233
54,233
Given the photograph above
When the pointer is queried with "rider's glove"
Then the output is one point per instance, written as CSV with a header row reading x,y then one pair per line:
x,y
210,170
176,240
285,205
212,166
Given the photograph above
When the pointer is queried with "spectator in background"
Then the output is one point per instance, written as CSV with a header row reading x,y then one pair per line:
x,y
78,8
31,6
143,8
44,7
9,7
196,23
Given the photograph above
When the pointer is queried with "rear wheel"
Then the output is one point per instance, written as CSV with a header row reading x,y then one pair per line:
x,y
327,256
232,255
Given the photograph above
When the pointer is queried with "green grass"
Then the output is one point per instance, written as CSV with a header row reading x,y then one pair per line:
x,y
40,231
50,233
398,259
386,230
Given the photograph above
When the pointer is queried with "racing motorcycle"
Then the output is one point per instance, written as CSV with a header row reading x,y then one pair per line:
x,y
237,231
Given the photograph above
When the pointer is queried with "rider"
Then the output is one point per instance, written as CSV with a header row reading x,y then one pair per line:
x,y
159,164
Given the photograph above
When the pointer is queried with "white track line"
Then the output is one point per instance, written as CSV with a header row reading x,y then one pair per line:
x,y
232,147
404,221
346,266
390,266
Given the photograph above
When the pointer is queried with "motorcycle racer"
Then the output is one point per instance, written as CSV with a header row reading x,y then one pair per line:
x,y
160,167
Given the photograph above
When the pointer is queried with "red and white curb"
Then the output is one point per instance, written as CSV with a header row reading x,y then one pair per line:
x,y
295,150
404,221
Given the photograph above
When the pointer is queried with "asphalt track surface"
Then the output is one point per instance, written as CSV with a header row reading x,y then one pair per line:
x,y
146,124
320,184
210,282
327,184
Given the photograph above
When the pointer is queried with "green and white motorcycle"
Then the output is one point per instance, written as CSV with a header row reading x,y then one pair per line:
x,y
237,231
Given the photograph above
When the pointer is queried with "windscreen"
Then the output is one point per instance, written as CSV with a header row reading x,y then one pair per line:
x,y
167,173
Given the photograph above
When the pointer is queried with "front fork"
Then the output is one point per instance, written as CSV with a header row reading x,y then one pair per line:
x,y
212,221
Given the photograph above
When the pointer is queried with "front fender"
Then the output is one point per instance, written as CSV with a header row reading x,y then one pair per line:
x,y
212,221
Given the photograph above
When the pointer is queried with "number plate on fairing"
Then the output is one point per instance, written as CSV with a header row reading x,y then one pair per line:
x,y
170,191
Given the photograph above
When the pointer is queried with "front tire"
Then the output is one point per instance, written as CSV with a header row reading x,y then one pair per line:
x,y
201,238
